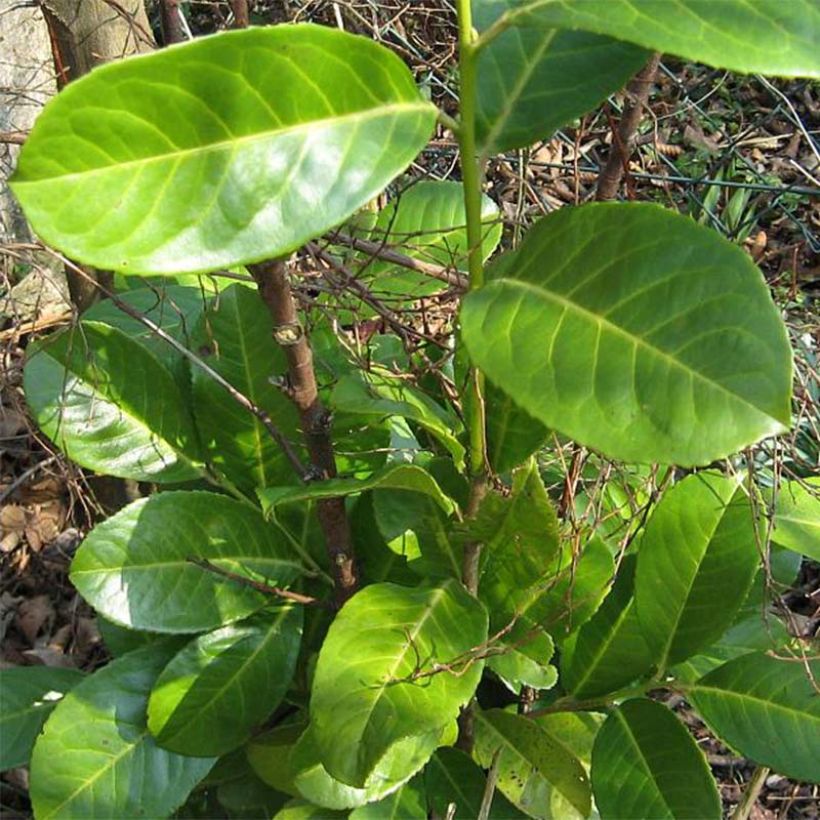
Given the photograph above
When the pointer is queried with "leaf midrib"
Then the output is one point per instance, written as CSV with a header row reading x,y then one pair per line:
x,y
232,144
606,325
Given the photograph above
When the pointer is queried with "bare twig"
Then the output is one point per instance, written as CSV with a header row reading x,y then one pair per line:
x,y
274,288
172,30
623,138
241,18
750,795
13,137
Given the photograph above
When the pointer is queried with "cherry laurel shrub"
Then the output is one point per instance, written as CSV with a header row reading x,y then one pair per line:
x,y
342,568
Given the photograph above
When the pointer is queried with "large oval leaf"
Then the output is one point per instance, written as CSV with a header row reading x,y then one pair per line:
x,y
28,694
111,405
360,709
637,332
96,759
768,709
228,150
769,36
531,763
531,81
234,337
222,684
645,764
697,560
135,570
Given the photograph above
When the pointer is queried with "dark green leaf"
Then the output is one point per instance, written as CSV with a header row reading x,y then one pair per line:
x,y
359,710
609,650
767,36
645,764
224,683
697,559
134,568
513,435
767,709
625,326
269,756
111,405
96,759
234,337
27,696
531,763
531,81
228,150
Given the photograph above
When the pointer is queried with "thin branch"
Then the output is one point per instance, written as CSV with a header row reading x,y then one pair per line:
x,y
172,29
13,137
489,787
241,18
274,288
265,589
750,795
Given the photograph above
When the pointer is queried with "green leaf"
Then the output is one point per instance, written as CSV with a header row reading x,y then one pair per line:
x,y
407,803
697,560
377,394
28,694
645,764
520,536
531,81
797,517
609,650
406,477
397,766
637,332
358,710
96,758
269,756
298,809
525,659
767,709
452,778
234,337
767,36
224,683
134,568
199,157
513,435
429,224
531,762
111,405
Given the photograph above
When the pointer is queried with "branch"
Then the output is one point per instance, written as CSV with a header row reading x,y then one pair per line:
x,y
274,288
241,18
623,139
172,31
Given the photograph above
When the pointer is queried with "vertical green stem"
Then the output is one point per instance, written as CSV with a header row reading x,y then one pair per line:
x,y
471,174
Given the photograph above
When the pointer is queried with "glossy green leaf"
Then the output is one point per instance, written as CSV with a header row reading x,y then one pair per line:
x,y
609,650
224,683
28,694
298,809
401,762
531,763
531,81
428,222
359,710
248,797
96,758
134,568
234,338
766,36
525,659
406,477
452,778
379,395
228,150
797,517
513,435
407,803
697,560
645,764
767,709
520,537
111,405
637,332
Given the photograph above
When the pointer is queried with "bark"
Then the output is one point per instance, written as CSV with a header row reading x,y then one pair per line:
x,y
623,138
172,31
241,18
274,288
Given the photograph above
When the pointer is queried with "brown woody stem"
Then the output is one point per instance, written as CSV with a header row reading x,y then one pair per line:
x,y
172,31
274,288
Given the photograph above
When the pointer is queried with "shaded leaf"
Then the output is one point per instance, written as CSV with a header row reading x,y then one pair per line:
x,y
513,435
269,756
525,661
237,133
604,329
134,568
407,803
645,764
